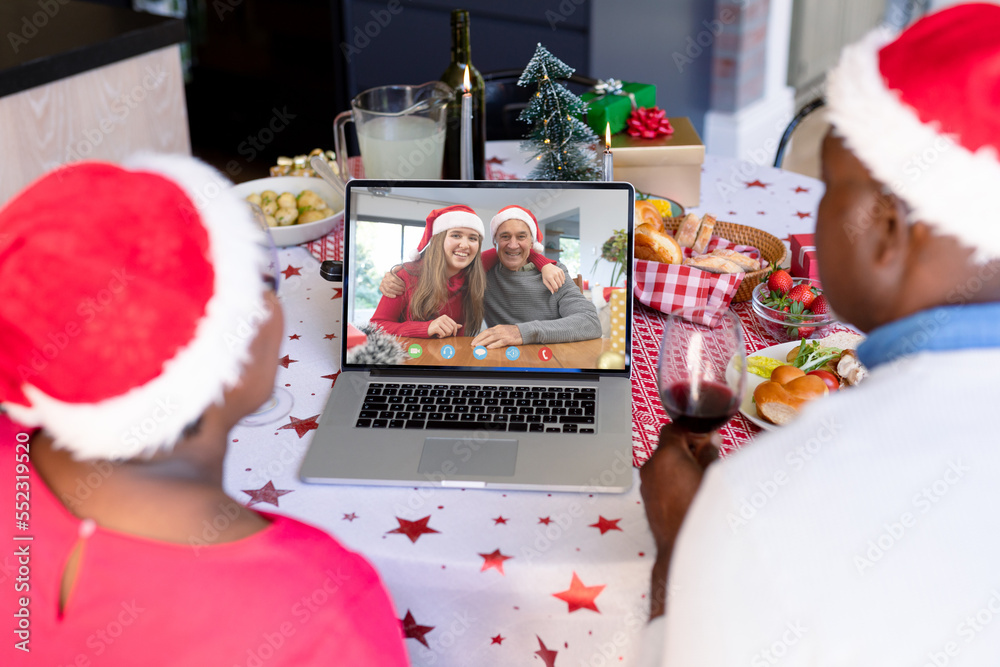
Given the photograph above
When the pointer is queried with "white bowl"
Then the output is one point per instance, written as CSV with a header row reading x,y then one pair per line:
x,y
296,234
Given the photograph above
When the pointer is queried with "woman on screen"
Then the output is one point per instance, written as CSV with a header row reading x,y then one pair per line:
x,y
444,285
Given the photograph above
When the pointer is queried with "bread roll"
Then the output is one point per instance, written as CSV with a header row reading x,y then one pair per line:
x,y
713,264
704,234
646,213
779,403
653,245
746,262
688,231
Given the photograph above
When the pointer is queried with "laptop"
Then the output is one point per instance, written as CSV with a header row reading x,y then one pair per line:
x,y
542,415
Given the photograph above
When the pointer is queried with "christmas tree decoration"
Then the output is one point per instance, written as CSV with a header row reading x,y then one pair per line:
x,y
562,144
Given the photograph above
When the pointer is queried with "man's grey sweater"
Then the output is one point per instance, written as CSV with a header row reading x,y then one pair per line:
x,y
521,298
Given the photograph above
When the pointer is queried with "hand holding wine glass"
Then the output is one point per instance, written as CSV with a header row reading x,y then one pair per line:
x,y
702,368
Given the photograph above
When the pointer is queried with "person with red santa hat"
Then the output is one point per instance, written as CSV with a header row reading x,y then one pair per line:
x,y
137,328
865,532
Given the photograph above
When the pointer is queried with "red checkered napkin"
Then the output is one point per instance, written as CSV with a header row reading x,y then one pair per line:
x,y
670,287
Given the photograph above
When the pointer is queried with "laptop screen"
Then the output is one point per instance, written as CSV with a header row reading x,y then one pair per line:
x,y
488,275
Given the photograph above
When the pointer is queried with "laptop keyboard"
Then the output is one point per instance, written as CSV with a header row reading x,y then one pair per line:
x,y
512,408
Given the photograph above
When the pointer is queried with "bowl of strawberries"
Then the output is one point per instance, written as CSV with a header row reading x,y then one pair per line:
x,y
791,308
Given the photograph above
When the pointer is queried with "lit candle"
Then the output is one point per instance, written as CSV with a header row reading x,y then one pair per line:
x,y
465,161
609,159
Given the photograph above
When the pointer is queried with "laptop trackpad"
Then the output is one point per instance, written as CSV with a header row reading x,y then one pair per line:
x,y
444,457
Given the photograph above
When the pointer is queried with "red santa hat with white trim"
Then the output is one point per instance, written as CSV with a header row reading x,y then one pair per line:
x,y
449,217
515,212
130,296
922,112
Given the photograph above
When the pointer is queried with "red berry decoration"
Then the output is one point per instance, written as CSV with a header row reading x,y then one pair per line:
x,y
803,294
780,281
820,306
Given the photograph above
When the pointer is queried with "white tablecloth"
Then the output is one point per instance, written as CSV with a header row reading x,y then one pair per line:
x,y
481,577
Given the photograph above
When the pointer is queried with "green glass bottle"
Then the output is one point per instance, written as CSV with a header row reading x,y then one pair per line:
x,y
453,76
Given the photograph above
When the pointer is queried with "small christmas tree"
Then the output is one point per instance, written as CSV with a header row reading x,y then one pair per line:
x,y
562,144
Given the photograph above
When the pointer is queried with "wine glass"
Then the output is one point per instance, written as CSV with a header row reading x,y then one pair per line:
x,y
280,402
702,369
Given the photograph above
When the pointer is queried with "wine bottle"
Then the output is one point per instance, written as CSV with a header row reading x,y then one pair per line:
x,y
454,76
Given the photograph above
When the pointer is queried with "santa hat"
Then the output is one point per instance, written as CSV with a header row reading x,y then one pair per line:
x,y
515,212
130,299
923,114
450,217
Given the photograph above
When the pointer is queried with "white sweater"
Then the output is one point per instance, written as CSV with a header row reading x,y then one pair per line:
x,y
865,533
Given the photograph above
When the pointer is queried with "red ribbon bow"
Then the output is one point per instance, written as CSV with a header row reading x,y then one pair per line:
x,y
649,123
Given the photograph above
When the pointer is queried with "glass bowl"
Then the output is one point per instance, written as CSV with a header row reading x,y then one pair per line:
x,y
786,326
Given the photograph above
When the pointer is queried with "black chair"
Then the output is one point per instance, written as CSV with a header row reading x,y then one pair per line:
x,y
786,138
505,100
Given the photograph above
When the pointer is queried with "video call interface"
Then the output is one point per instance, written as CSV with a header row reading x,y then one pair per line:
x,y
566,330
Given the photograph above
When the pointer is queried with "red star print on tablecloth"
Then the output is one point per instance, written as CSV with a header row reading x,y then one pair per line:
x,y
294,337
803,215
290,271
301,426
495,160
494,560
332,378
604,525
330,336
265,494
498,640
801,189
337,293
413,529
350,517
756,184
285,360
500,519
545,520
547,655
411,630
578,596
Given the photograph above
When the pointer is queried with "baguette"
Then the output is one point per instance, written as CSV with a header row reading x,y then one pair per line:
x,y
747,263
713,264
688,231
704,234
653,245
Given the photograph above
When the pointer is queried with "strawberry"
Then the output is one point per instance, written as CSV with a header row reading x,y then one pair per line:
x,y
805,332
779,281
820,306
803,294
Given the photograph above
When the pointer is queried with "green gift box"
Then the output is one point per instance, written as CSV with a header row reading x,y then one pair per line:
x,y
615,108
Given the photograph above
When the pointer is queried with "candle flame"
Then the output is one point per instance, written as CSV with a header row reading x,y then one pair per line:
x,y
466,84
607,136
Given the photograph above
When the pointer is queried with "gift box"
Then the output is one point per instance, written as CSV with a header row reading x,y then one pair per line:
x,y
804,263
619,318
666,166
615,108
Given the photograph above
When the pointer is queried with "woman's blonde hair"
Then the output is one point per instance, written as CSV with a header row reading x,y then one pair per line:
x,y
432,286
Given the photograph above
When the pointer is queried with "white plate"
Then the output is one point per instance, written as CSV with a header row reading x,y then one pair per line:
x,y
296,234
747,408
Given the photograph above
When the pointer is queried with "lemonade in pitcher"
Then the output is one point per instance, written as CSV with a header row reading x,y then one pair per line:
x,y
404,147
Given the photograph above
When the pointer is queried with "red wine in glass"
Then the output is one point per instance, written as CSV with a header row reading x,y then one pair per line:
x,y
700,409
701,372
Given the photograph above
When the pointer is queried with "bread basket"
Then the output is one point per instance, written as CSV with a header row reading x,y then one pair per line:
x,y
771,248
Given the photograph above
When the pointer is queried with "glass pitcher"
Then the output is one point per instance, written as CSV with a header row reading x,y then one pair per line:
x,y
400,130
